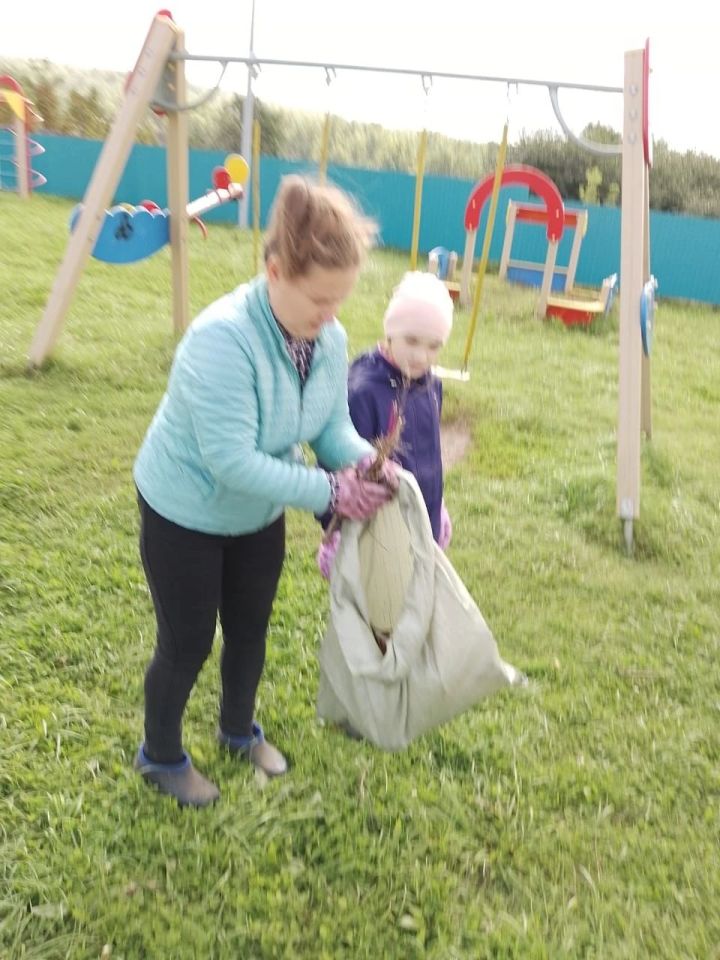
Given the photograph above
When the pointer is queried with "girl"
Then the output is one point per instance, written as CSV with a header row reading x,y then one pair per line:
x,y
395,378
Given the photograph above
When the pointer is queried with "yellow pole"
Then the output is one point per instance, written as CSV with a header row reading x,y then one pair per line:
x,y
256,194
482,269
324,148
419,174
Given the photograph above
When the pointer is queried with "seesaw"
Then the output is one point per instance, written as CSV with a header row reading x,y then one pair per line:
x,y
130,233
577,311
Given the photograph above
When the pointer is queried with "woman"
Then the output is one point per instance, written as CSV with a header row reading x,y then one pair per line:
x,y
259,371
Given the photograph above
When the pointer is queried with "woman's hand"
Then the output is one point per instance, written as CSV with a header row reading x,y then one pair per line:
x,y
359,499
389,471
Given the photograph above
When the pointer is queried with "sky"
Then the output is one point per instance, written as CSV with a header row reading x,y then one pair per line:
x,y
525,39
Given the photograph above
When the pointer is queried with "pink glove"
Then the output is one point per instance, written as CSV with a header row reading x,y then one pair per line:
x,y
389,474
445,528
326,553
359,499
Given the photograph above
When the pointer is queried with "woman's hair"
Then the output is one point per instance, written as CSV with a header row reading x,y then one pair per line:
x,y
316,225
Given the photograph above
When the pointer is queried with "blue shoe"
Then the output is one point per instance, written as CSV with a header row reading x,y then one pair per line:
x,y
256,749
180,780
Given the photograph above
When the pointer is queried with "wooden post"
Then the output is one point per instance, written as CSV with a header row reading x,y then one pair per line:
x,y
178,178
645,404
547,279
139,93
580,231
632,273
22,157
507,242
256,195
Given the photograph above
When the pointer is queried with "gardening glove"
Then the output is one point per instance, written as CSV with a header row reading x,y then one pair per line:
x,y
445,528
359,499
326,553
389,474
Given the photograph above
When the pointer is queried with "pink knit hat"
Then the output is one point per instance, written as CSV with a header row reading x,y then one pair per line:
x,y
420,307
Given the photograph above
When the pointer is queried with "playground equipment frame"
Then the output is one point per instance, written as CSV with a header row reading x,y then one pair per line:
x,y
158,79
23,115
512,270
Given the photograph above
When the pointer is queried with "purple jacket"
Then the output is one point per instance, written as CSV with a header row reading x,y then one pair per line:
x,y
374,384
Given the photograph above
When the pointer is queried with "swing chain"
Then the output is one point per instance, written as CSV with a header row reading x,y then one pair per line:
x,y
509,99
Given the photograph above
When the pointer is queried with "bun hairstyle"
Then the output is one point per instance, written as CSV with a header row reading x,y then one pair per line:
x,y
316,225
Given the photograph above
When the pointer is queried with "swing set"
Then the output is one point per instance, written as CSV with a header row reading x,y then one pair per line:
x,y
158,81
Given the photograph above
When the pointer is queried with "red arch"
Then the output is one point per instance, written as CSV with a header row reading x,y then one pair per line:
x,y
536,180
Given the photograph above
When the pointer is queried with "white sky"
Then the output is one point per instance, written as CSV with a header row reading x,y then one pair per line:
x,y
533,39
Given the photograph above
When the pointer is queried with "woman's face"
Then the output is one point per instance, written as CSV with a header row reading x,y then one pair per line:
x,y
304,304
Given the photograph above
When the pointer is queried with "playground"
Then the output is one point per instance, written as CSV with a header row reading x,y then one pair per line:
x,y
575,817
578,817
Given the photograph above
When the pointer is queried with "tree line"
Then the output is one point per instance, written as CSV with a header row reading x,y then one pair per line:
x,y
83,103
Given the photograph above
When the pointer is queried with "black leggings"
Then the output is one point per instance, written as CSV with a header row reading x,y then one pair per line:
x,y
192,577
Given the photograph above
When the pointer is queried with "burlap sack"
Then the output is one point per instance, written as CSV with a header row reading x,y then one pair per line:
x,y
441,657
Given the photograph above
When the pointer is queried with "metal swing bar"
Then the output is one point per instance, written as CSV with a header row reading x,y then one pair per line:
x,y
253,61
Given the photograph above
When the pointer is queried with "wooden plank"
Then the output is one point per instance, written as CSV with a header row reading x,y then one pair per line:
x,y
178,177
507,242
22,156
532,265
631,282
547,279
537,213
103,183
580,228
645,391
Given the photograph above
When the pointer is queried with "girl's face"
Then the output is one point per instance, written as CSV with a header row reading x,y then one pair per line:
x,y
413,355
304,304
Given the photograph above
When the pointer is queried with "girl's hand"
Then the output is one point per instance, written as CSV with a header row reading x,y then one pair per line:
x,y
445,528
325,556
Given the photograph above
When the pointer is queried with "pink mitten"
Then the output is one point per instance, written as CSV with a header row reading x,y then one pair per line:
x,y
359,499
326,553
389,473
445,528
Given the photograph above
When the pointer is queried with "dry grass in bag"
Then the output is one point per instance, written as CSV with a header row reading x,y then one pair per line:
x,y
384,546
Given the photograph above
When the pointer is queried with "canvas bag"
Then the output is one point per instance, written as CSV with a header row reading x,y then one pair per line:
x,y
441,657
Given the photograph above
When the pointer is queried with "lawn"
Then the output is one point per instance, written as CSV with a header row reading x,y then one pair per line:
x,y
577,818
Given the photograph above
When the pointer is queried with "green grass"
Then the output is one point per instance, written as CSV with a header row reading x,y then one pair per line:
x,y
578,818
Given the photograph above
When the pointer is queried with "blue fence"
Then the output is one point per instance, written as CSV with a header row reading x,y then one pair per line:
x,y
685,251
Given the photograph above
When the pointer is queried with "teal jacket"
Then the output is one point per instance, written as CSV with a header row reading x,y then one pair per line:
x,y
221,454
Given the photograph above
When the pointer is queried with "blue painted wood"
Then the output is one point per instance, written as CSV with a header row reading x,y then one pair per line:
x,y
531,277
127,236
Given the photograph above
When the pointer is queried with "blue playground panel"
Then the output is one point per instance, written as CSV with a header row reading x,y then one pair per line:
x,y
127,236
533,278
